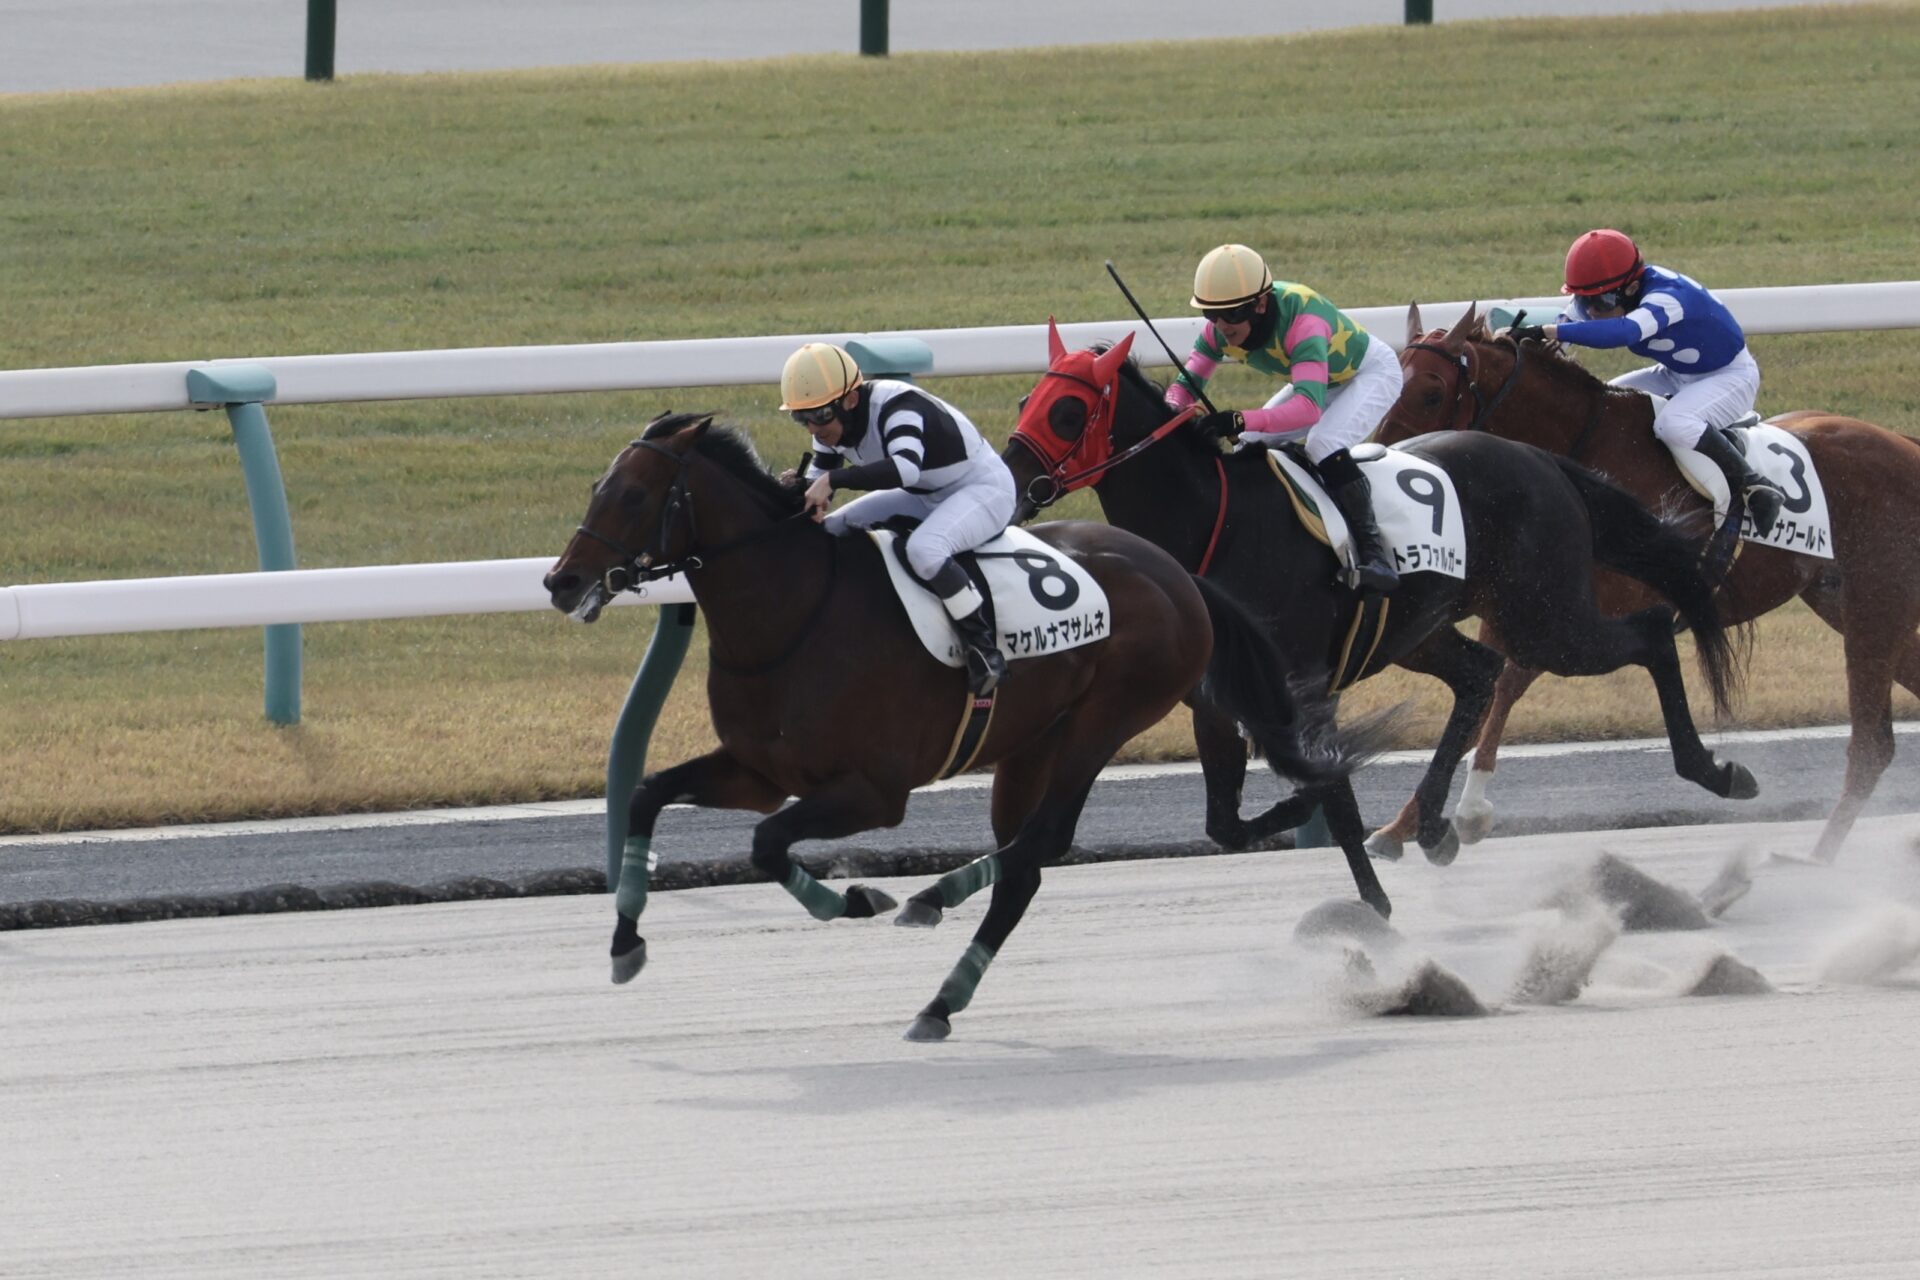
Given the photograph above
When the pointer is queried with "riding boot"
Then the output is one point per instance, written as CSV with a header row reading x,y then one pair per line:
x,y
1373,572
1762,496
986,666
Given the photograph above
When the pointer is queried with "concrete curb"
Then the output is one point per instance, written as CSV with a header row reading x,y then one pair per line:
x,y
836,864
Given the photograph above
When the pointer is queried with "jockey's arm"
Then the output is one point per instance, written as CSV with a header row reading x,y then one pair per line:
x,y
1307,353
904,434
1657,311
1192,380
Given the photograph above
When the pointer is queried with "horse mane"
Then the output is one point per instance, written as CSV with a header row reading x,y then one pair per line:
x,y
729,448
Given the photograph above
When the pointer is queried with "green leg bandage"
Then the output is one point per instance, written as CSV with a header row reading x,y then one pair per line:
x,y
636,869
962,883
957,990
823,903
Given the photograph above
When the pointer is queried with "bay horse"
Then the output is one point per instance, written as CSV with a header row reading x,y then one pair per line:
x,y
820,689
1469,381
1536,527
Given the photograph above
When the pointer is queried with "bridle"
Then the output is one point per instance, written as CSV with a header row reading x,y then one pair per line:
x,y
1053,473
637,568
1466,379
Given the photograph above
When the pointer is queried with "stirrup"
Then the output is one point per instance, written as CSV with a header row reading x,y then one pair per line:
x,y
986,668
1769,501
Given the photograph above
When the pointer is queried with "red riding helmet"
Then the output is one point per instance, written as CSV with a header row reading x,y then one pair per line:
x,y
1602,261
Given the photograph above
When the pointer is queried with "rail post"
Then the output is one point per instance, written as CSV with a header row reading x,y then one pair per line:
x,y
627,757
873,28
241,390
320,26
1419,13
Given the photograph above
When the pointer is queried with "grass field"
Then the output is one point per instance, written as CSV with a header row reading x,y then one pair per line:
x,y
825,193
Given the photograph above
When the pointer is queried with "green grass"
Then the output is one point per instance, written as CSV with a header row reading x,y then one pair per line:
x,y
388,213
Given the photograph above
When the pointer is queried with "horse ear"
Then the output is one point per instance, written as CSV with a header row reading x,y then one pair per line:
x,y
1457,336
1055,347
1413,323
698,427
1115,356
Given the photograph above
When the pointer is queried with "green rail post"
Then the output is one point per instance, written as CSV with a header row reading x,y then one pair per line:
x,y
320,25
240,390
1314,833
627,757
891,357
873,28
1419,12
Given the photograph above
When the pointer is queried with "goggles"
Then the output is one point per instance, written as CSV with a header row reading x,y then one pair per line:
x,y
818,416
1238,314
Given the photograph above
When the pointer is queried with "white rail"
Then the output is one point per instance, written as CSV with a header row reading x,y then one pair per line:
x,y
492,586
713,362
297,595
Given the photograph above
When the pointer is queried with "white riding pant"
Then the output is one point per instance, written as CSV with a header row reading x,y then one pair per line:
x,y
1696,401
1354,407
957,518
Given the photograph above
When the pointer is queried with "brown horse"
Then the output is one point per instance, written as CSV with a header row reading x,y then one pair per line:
x,y
1466,379
820,689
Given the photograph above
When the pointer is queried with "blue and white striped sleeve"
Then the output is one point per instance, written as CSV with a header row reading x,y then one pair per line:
x,y
1656,312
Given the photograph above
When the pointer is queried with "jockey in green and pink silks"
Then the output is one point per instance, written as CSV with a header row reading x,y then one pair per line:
x,y
1340,383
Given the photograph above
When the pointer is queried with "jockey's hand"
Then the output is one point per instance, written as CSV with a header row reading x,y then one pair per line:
x,y
819,497
1525,332
789,478
1218,426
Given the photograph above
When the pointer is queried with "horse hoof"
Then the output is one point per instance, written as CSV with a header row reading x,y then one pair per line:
x,y
1447,850
928,1027
864,902
1384,847
918,915
1234,839
628,964
1474,827
1740,783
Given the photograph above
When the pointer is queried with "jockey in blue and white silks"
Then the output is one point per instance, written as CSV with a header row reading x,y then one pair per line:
x,y
923,459
1702,365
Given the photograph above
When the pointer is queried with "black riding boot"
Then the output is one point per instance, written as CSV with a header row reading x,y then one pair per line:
x,y
1762,496
986,666
1349,490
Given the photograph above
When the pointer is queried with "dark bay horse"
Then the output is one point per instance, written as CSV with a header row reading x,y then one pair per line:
x,y
1466,379
1536,527
820,689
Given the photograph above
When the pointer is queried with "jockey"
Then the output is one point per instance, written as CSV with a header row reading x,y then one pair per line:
x,y
1703,365
925,460
1341,383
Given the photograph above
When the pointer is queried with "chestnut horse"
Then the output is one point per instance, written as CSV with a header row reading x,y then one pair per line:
x,y
820,688
1536,526
1467,380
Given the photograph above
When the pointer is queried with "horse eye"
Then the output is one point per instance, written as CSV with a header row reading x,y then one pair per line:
x,y
1067,417
1432,399
632,499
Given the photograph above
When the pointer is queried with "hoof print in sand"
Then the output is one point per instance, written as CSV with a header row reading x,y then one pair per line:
x,y
1729,977
1644,904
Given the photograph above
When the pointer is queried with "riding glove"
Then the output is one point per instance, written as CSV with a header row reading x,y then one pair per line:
x,y
1524,332
1218,426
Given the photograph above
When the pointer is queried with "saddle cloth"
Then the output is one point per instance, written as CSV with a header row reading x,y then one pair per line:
x,y
1414,504
1041,600
1781,457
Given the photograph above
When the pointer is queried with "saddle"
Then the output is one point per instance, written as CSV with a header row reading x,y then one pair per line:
x,y
1780,456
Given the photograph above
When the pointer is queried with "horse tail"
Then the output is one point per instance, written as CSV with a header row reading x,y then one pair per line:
x,y
1293,728
1633,540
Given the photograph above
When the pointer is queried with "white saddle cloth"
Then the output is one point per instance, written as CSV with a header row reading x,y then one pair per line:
x,y
1043,600
1781,457
1414,503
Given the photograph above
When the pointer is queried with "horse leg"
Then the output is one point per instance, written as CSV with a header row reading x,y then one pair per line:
x,y
1469,669
1877,655
846,804
1473,818
1223,763
1350,833
1647,640
1043,837
713,781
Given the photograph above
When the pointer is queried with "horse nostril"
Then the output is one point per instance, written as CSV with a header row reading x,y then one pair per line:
x,y
557,582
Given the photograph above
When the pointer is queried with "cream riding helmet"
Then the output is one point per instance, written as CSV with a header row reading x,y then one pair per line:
x,y
1230,277
816,378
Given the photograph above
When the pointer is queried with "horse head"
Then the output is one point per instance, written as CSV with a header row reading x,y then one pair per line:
x,y
639,521
1449,380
